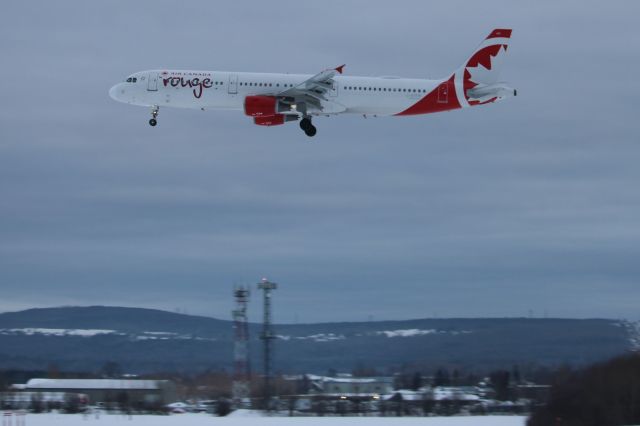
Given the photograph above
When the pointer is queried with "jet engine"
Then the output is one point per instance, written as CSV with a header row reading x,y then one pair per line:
x,y
258,106
261,106
269,120
273,120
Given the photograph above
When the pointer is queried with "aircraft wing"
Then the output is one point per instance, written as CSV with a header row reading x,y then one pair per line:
x,y
312,92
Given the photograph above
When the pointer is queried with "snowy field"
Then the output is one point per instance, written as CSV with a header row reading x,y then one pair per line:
x,y
250,420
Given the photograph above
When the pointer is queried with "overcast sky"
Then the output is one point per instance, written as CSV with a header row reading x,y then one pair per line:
x,y
532,204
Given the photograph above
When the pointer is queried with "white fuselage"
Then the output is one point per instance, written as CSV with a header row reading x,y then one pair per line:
x,y
228,90
275,99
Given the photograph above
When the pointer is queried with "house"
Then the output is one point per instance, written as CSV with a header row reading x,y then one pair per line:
x,y
342,385
107,391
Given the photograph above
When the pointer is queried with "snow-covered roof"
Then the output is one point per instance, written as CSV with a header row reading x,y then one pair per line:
x,y
462,394
327,379
92,384
407,395
348,380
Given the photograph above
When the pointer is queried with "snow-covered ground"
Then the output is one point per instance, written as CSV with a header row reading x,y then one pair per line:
x,y
634,334
411,332
251,419
80,332
168,335
55,331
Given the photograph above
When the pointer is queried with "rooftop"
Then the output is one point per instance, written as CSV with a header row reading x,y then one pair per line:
x,y
93,384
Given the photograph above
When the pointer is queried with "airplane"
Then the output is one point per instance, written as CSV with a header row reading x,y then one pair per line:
x,y
275,99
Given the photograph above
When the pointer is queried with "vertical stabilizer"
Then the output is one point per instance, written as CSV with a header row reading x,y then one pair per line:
x,y
479,76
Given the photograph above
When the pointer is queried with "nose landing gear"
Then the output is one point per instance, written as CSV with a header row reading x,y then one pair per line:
x,y
308,128
154,114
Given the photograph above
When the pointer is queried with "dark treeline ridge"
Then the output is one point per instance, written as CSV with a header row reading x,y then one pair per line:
x,y
605,394
146,341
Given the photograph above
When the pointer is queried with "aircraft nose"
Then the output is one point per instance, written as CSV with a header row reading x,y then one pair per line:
x,y
114,92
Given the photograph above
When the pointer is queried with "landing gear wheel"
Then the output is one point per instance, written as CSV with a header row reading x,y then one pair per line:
x,y
154,115
305,124
311,131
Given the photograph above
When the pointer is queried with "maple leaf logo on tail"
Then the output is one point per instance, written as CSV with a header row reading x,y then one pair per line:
x,y
480,73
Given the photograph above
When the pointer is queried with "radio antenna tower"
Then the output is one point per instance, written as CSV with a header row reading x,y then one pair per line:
x,y
240,389
267,336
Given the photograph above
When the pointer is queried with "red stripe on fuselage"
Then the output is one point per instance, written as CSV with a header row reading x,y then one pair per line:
x,y
435,101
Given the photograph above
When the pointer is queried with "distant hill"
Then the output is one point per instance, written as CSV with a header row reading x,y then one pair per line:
x,y
148,340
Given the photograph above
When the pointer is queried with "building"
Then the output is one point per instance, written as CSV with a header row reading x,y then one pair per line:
x,y
105,391
343,385
39,401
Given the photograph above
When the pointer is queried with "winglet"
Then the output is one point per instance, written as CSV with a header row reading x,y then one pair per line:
x,y
339,69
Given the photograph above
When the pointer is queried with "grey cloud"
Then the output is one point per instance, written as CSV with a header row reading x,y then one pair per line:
x,y
527,204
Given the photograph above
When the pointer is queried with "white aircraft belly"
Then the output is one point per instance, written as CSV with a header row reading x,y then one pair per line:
x,y
379,105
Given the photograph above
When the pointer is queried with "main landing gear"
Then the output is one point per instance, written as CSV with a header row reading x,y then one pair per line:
x,y
154,115
308,128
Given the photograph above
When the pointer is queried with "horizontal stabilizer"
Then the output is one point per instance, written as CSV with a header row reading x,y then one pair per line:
x,y
485,93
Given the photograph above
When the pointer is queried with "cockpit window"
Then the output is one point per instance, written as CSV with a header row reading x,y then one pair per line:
x,y
131,80
134,79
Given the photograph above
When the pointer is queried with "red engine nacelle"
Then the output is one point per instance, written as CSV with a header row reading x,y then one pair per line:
x,y
269,120
259,106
